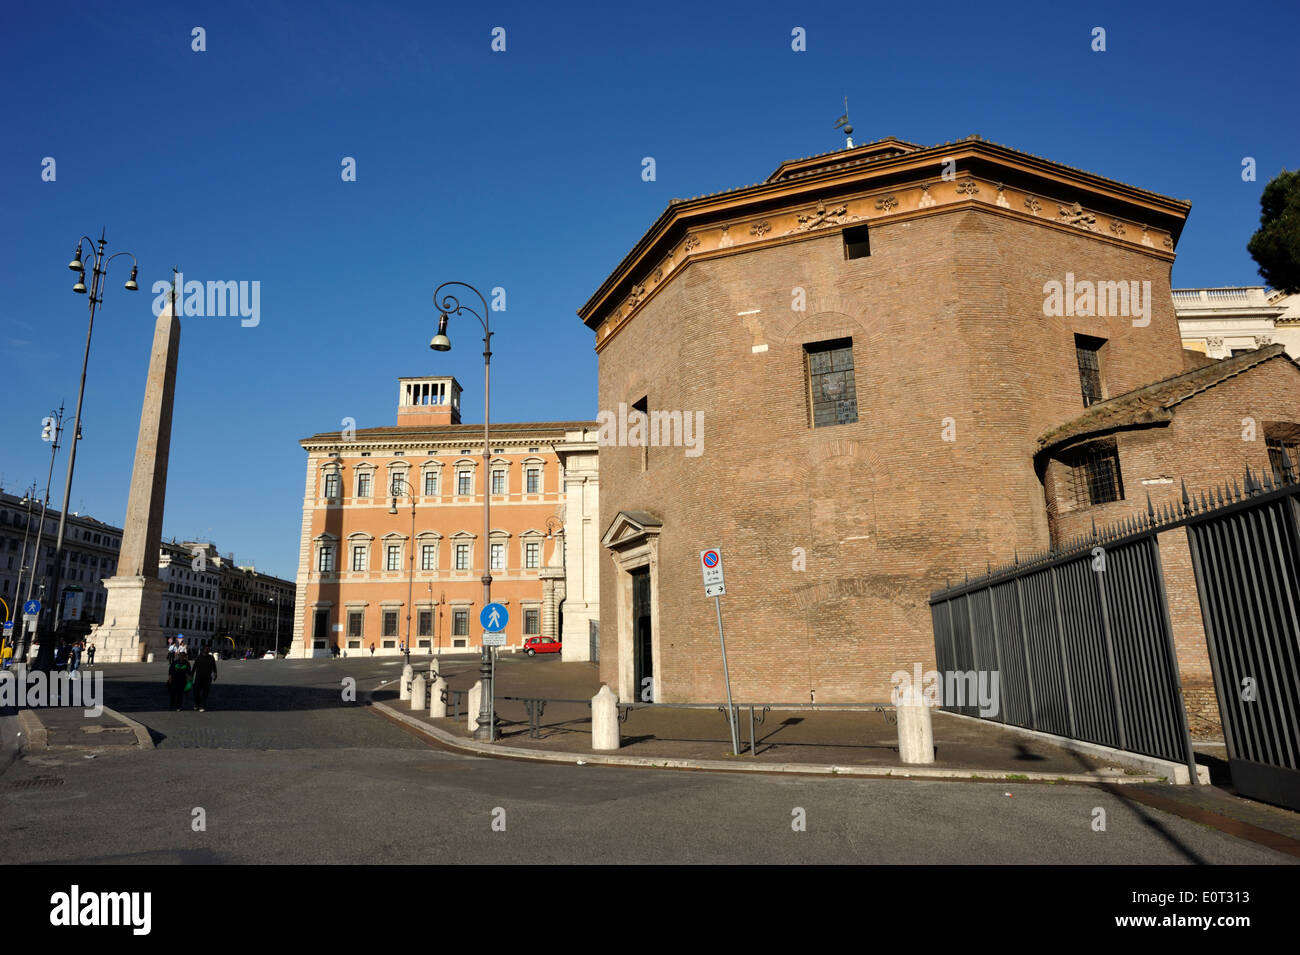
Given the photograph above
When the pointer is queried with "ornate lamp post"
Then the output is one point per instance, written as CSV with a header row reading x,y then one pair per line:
x,y
98,270
450,305
410,580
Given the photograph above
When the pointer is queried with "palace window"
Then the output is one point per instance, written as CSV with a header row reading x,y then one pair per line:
x,y
1088,353
429,557
534,478
363,484
498,556
332,485
325,562
460,623
532,554
832,388
354,623
394,559
430,483
390,623
358,556
464,482
426,623
532,622
1095,474
498,481
462,556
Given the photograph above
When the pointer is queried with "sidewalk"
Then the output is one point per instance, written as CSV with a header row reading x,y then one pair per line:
x,y
854,742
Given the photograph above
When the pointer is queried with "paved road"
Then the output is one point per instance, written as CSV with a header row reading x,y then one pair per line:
x,y
285,772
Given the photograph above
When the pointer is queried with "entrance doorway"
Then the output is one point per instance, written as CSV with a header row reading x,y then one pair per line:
x,y
642,654
320,629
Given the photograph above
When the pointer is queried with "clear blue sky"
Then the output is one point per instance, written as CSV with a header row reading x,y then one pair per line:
x,y
519,169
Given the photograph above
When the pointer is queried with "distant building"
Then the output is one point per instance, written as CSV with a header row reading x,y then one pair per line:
x,y
368,576
1223,322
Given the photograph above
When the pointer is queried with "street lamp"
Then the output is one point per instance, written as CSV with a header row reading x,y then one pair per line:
x,y
99,268
397,480
449,305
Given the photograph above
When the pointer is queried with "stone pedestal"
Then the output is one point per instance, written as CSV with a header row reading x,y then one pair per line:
x,y
604,720
417,692
405,692
438,705
132,614
475,697
915,728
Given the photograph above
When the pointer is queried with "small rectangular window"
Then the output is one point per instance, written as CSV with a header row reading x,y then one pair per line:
x,y
832,387
532,554
326,562
359,557
390,623
462,556
394,557
429,557
498,556
332,485
532,622
426,623
430,484
363,485
857,245
354,623
534,481
460,623
1096,474
498,482
1283,444
464,482
1087,352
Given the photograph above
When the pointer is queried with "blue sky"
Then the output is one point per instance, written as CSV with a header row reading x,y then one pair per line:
x,y
519,169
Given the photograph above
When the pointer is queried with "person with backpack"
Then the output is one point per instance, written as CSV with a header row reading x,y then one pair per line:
x,y
179,677
205,673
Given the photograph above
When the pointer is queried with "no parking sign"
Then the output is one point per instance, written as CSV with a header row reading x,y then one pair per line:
x,y
711,565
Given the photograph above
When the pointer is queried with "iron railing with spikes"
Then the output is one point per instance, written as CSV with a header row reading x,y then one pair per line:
x,y
1209,503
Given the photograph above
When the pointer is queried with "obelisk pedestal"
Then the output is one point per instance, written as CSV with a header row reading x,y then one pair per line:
x,y
133,611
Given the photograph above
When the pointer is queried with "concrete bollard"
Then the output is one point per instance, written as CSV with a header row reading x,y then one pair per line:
x,y
405,692
149,658
604,719
915,727
475,697
417,692
437,705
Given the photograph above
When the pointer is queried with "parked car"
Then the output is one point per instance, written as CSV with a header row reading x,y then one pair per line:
x,y
269,655
535,645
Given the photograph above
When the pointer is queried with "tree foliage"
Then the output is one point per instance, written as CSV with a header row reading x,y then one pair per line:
x,y
1275,247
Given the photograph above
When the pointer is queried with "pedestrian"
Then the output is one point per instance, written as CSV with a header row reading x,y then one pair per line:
x,y
6,655
205,674
90,654
372,649
171,650
179,675
74,657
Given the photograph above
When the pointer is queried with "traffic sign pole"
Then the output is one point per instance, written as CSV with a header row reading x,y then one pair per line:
x,y
715,586
731,710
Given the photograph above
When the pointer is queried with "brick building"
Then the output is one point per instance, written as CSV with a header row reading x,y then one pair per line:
x,y
367,564
885,352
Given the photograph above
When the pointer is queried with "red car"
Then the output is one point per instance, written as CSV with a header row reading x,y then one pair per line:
x,y
541,645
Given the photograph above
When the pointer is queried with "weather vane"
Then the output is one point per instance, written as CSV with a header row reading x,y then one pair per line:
x,y
843,123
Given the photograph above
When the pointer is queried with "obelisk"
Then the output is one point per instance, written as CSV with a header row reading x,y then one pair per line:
x,y
132,625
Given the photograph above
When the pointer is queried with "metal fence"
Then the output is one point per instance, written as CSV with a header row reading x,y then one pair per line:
x,y
1081,643
1247,561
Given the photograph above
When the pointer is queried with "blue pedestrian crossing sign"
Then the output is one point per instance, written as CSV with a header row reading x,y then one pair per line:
x,y
32,606
494,617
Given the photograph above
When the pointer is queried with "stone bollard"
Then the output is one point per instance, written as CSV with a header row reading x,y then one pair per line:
x,y
437,705
915,728
405,692
417,692
604,719
149,658
475,696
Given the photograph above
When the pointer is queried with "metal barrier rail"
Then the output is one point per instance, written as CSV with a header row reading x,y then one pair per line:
x,y
536,707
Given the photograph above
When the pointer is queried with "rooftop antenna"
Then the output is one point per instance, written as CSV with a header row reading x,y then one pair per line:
x,y
843,123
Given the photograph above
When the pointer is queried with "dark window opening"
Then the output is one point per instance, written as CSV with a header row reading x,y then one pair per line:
x,y
1095,474
832,389
857,245
1088,353
1283,444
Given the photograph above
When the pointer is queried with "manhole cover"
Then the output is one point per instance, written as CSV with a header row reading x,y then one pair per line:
x,y
39,782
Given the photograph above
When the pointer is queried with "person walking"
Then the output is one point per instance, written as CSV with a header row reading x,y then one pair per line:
x,y
74,657
205,673
372,649
6,655
90,654
179,674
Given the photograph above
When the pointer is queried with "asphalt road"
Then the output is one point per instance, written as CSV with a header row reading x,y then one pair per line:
x,y
282,770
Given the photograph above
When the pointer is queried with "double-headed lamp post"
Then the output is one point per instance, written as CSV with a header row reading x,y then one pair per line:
x,y
448,305
397,480
99,268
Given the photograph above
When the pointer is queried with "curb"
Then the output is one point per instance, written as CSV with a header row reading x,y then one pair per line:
x,y
36,737
715,765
